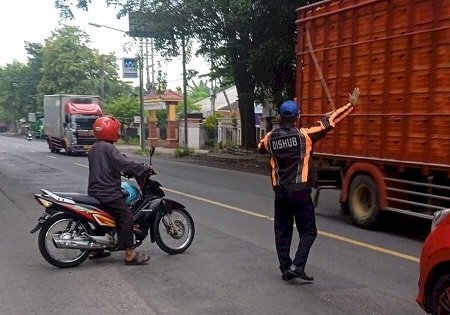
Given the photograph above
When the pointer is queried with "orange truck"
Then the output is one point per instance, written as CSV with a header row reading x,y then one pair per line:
x,y
393,152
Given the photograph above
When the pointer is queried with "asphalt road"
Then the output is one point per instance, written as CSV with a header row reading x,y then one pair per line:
x,y
231,268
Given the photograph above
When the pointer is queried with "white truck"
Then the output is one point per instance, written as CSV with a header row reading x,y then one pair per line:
x,y
68,122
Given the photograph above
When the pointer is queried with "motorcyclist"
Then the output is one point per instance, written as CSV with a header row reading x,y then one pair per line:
x,y
28,133
106,164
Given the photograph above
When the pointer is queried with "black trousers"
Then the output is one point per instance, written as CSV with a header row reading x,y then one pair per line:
x,y
124,218
292,206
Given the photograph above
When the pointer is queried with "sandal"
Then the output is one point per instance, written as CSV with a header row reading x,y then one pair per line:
x,y
97,254
139,259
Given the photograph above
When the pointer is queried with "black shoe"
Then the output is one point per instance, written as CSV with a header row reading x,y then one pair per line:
x,y
298,272
285,276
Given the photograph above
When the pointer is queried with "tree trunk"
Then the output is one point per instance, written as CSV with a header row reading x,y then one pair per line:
x,y
247,112
245,89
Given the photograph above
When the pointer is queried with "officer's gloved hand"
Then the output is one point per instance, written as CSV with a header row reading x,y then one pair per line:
x,y
353,98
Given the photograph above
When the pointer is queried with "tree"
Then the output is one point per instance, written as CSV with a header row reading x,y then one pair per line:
x,y
34,64
70,66
124,108
195,94
64,64
67,63
15,97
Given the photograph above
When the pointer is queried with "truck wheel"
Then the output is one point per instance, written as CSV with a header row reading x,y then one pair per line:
x,y
363,202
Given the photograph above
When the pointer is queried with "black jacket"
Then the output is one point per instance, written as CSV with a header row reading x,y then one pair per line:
x,y
291,151
105,166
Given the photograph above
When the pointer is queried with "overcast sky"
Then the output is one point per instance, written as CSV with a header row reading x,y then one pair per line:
x,y
34,20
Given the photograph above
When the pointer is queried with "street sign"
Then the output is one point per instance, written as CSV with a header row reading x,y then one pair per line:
x,y
147,24
140,24
129,68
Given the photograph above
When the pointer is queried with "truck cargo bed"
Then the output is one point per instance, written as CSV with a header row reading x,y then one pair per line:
x,y
398,53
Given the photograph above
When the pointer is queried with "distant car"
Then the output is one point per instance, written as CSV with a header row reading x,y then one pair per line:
x,y
434,278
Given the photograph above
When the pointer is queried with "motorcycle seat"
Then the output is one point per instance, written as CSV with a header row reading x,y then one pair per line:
x,y
80,198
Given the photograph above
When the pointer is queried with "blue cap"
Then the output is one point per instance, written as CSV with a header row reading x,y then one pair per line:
x,y
289,109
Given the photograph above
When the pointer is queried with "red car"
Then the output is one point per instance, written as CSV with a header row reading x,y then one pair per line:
x,y
434,279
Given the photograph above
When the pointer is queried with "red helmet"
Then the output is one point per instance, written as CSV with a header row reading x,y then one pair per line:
x,y
106,128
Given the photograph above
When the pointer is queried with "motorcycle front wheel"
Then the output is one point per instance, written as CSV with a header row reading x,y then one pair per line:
x,y
62,226
174,232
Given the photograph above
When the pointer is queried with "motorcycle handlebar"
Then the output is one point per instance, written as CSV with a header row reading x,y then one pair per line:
x,y
149,172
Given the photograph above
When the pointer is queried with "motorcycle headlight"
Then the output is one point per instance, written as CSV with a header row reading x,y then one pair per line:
x,y
438,217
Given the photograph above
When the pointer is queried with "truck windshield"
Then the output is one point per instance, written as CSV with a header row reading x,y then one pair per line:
x,y
84,122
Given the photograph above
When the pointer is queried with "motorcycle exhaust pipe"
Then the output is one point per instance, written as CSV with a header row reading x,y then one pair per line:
x,y
77,244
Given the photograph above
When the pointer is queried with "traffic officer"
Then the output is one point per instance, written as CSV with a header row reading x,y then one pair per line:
x,y
290,150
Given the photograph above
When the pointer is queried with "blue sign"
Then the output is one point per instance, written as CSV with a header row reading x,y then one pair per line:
x,y
129,68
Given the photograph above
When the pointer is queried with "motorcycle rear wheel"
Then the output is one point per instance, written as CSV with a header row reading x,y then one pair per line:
x,y
61,257
174,232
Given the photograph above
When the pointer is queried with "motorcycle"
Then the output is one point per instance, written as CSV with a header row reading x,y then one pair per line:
x,y
74,224
29,136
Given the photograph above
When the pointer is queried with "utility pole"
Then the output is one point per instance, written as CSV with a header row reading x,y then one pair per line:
x,y
102,79
147,66
141,94
213,98
183,48
153,63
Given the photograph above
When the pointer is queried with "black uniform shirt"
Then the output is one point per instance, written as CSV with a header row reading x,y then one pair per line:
x,y
291,151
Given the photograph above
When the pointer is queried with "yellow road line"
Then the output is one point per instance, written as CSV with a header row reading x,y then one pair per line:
x,y
322,233
219,204
369,246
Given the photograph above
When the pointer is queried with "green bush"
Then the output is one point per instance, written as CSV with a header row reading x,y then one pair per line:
x,y
183,151
131,141
210,143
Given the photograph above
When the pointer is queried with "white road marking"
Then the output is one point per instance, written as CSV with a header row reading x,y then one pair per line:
x,y
52,157
81,165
